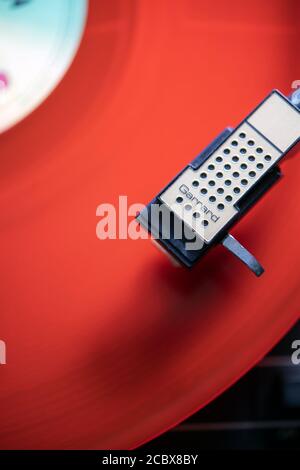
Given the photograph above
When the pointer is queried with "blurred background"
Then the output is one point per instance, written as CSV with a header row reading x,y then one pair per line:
x,y
261,411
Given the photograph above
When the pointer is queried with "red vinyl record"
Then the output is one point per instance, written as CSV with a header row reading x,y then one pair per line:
x,y
108,344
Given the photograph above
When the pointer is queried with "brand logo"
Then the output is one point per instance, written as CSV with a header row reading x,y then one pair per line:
x,y
184,189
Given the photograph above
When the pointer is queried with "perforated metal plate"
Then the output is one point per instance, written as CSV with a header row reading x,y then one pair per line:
x,y
205,199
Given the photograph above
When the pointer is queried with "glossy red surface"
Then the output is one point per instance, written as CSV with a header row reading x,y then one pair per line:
x,y
107,343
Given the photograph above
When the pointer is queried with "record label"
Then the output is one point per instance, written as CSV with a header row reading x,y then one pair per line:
x,y
38,41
